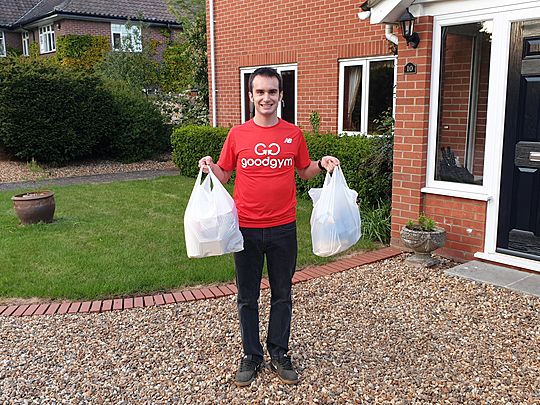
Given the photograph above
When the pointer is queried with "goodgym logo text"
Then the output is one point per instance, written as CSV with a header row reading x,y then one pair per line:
x,y
266,152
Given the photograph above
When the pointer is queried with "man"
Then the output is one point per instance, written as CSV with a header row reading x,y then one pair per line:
x,y
265,152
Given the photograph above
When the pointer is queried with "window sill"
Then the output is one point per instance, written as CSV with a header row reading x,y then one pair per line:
x,y
45,53
457,193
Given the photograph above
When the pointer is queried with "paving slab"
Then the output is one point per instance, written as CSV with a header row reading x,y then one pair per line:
x,y
516,280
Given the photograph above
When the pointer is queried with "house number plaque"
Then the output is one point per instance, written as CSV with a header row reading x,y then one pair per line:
x,y
410,68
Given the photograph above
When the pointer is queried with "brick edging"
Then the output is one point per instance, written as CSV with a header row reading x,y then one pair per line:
x,y
196,294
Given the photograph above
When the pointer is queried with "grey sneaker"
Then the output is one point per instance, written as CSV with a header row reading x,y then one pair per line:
x,y
247,371
282,366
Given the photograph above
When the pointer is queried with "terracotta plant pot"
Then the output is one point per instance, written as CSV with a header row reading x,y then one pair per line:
x,y
422,243
34,207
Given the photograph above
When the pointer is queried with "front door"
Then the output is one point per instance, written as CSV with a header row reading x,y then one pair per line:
x,y
519,212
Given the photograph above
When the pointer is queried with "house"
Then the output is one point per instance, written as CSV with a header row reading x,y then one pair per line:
x,y
23,22
463,89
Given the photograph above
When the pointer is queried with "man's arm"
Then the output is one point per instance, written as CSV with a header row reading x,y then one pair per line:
x,y
328,162
222,175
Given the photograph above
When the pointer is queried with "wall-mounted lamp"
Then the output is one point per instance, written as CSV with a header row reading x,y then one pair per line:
x,y
365,11
406,21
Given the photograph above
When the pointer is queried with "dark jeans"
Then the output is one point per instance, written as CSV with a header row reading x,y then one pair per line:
x,y
279,245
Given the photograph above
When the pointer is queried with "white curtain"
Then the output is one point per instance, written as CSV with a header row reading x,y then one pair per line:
x,y
355,80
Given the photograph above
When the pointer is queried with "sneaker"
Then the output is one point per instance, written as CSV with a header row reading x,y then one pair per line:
x,y
282,366
247,371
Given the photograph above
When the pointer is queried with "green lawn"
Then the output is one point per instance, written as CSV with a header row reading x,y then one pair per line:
x,y
115,239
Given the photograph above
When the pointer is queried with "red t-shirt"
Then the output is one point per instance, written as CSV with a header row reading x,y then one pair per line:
x,y
265,159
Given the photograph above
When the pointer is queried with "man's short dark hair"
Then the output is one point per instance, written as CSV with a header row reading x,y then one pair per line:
x,y
267,72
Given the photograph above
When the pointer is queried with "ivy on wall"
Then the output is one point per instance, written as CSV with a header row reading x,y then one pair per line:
x,y
82,51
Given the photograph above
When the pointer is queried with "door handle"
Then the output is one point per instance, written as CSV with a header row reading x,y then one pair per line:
x,y
534,156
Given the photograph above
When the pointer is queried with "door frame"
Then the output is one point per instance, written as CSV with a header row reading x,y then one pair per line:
x,y
502,18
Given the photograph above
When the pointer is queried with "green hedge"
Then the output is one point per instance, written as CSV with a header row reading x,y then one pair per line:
x,y
192,142
52,114
366,161
55,114
140,128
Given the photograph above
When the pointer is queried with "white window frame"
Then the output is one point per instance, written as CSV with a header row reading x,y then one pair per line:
x,y
364,62
463,190
279,68
25,37
133,32
3,51
47,39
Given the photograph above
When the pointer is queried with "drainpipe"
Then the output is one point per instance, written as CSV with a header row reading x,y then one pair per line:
x,y
213,64
389,35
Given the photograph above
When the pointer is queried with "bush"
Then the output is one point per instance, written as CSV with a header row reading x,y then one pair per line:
x,y
190,143
364,160
52,114
141,131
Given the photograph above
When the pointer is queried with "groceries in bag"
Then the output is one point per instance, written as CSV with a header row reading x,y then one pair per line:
x,y
335,219
211,221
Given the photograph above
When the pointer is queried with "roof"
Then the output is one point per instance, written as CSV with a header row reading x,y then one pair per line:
x,y
147,10
12,10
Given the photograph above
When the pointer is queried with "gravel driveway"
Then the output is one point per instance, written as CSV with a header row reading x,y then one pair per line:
x,y
382,333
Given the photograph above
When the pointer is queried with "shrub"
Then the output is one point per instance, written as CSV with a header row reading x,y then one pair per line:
x,y
191,142
364,160
52,114
182,109
141,131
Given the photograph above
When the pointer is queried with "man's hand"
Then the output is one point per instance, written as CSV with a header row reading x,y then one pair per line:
x,y
223,175
329,163
205,162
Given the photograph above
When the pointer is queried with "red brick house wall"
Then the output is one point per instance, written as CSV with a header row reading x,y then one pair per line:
x,y
12,40
314,37
464,221
411,129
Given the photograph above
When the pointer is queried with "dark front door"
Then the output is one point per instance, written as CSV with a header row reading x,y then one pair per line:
x,y
519,212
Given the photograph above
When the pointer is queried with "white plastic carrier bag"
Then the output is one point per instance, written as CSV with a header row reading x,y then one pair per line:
x,y
211,221
335,219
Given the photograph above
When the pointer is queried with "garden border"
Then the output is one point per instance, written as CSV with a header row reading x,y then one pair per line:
x,y
194,294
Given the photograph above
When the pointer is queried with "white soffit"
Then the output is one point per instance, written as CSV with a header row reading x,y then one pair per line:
x,y
388,11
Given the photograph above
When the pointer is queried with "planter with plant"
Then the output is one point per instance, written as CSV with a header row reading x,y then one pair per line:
x,y
423,237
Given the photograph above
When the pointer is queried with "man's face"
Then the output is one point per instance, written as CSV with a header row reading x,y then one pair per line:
x,y
266,95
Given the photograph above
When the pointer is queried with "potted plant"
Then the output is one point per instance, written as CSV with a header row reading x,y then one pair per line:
x,y
34,206
423,237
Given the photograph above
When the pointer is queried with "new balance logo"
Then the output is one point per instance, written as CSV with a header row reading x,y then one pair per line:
x,y
287,140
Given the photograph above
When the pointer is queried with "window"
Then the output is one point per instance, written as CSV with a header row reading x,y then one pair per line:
x,y
47,41
366,92
25,43
287,108
2,44
126,37
463,95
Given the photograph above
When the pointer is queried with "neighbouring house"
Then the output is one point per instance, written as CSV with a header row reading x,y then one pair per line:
x,y
24,22
464,93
